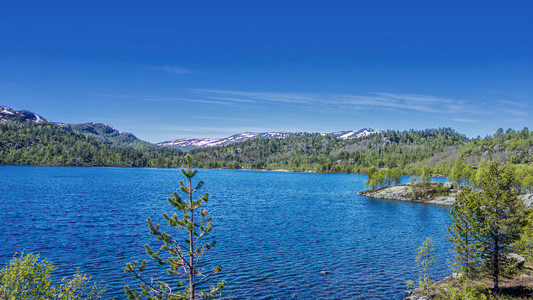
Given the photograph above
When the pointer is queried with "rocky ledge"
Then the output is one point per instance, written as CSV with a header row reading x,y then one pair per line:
x,y
437,193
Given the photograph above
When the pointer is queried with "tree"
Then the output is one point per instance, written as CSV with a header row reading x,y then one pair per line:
x,y
424,178
27,277
456,173
183,257
466,232
425,260
502,214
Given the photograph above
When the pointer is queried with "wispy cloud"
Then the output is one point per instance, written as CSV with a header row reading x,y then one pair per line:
x,y
465,120
513,108
170,69
512,103
408,103
163,99
376,100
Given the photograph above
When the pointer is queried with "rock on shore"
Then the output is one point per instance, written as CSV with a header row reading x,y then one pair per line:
x,y
405,193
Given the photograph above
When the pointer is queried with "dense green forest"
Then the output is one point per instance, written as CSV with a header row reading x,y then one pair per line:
x,y
47,144
409,151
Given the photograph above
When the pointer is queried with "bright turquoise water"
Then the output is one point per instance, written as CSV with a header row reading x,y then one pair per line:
x,y
275,231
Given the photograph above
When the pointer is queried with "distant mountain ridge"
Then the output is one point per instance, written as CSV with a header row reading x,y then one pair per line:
x,y
19,116
104,133
195,143
110,135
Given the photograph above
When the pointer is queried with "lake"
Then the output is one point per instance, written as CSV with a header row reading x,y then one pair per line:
x,y
275,231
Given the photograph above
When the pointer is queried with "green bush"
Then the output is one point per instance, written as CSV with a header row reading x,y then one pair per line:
x,y
27,277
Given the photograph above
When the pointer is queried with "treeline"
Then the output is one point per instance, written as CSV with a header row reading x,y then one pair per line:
x,y
46,144
409,151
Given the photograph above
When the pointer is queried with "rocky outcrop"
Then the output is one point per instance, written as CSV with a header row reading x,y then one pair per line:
x,y
518,260
406,192
528,199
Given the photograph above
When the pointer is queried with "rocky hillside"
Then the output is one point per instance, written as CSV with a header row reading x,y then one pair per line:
x,y
195,143
19,116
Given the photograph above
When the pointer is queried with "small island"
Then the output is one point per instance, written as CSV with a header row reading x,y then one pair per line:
x,y
433,193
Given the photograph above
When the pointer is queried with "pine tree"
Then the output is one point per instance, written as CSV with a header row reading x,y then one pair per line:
x,y
184,256
502,214
466,232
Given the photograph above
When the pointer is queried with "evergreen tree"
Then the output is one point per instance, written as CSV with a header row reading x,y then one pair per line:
x,y
466,232
184,256
502,214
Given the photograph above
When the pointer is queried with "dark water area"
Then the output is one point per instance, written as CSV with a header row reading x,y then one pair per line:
x,y
275,231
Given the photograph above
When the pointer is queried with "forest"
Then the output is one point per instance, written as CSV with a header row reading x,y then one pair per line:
x,y
47,144
437,150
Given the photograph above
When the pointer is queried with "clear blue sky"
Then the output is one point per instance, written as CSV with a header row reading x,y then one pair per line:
x,y
171,69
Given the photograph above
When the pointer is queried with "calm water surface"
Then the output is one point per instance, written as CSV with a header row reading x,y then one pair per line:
x,y
275,231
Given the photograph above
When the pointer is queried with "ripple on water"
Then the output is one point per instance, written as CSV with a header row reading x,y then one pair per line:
x,y
275,231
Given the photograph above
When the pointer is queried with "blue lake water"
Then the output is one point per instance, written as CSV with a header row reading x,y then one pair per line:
x,y
275,231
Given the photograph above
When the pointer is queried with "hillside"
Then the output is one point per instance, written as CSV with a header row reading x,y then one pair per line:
x,y
29,139
327,153
187,144
110,135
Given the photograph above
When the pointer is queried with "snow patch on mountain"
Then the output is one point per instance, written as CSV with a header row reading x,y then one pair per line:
x,y
21,116
193,143
355,134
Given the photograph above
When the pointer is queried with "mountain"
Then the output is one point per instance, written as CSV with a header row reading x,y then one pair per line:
x,y
19,116
29,139
195,143
103,133
355,134
109,135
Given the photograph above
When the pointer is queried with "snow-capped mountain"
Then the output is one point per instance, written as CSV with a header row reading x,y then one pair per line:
x,y
193,143
354,134
20,116
110,135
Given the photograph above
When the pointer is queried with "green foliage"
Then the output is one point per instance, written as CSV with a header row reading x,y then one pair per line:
x,y
27,277
502,215
466,232
383,178
183,257
525,244
407,152
425,260
462,290
512,146
302,152
47,144
109,135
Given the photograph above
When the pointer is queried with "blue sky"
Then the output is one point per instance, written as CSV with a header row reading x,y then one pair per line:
x,y
172,69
